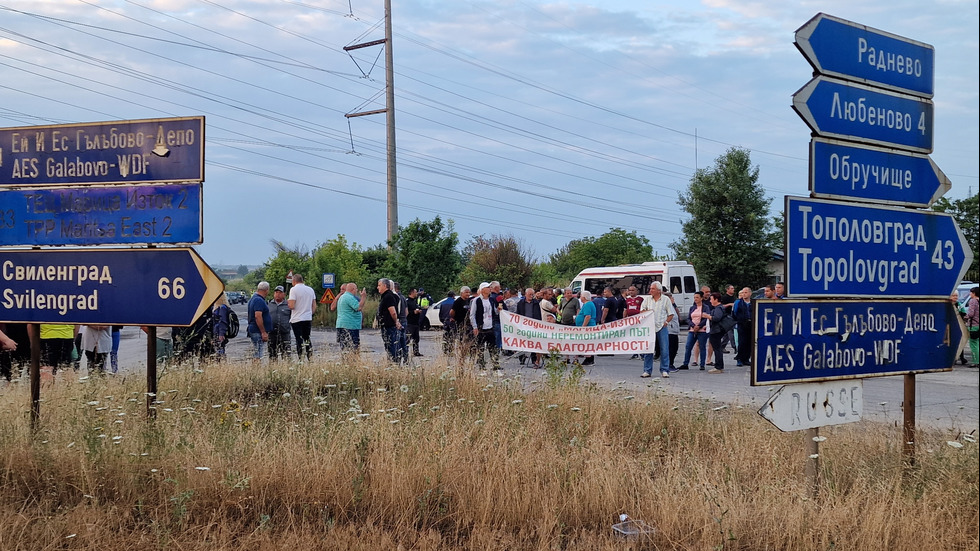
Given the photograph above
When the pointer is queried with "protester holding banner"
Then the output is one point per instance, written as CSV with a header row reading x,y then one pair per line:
x,y
529,307
662,315
586,318
586,314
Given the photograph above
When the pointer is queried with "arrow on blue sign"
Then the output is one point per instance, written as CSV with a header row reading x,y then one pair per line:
x,y
837,249
840,170
106,286
836,109
852,51
809,341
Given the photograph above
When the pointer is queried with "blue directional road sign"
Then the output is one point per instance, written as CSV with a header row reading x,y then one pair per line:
x,y
139,151
809,341
837,249
105,215
841,170
852,51
106,286
837,109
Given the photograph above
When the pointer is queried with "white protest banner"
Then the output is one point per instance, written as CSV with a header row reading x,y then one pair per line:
x,y
632,335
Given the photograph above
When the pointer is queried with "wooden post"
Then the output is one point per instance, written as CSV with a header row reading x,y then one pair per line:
x,y
908,414
35,376
151,372
813,461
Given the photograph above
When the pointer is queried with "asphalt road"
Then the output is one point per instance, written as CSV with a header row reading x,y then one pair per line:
x,y
946,400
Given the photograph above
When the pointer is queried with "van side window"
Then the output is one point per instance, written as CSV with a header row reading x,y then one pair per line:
x,y
675,284
689,285
596,285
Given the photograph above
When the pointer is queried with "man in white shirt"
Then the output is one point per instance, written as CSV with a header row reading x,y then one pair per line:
x,y
302,301
662,314
483,314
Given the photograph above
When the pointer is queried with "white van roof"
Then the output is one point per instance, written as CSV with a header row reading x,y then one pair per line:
x,y
627,269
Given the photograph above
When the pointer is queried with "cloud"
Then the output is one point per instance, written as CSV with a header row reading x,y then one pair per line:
x,y
564,107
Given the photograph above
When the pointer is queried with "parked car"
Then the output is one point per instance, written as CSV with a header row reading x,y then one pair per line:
x,y
236,297
432,315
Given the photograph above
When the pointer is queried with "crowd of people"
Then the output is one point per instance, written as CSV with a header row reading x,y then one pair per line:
x,y
716,321
471,322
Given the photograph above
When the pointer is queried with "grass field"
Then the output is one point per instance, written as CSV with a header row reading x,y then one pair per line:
x,y
365,457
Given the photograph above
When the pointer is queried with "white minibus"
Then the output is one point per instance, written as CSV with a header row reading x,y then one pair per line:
x,y
675,275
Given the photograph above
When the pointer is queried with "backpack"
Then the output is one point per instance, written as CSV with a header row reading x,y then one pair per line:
x,y
233,325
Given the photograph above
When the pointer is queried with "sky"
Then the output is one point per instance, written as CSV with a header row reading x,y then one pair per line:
x,y
545,121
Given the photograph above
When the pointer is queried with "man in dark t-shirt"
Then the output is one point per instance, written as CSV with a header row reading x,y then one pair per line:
x,y
388,319
610,308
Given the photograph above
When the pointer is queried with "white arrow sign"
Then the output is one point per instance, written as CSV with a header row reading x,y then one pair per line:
x,y
811,405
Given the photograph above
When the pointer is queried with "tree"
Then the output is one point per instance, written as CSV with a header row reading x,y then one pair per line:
x,y
728,237
296,260
374,261
242,270
497,258
544,274
424,254
617,246
253,278
345,261
965,211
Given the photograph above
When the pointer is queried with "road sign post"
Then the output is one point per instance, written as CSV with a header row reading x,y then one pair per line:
x,y
150,287
877,93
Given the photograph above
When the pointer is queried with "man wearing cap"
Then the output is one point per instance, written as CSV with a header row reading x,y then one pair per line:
x,y
279,332
483,316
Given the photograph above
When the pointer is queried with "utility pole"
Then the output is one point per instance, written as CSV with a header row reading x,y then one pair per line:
x,y
389,111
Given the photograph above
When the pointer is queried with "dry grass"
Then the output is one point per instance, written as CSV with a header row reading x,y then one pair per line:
x,y
326,456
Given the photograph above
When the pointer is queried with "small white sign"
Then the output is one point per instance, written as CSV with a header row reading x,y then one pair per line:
x,y
811,405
